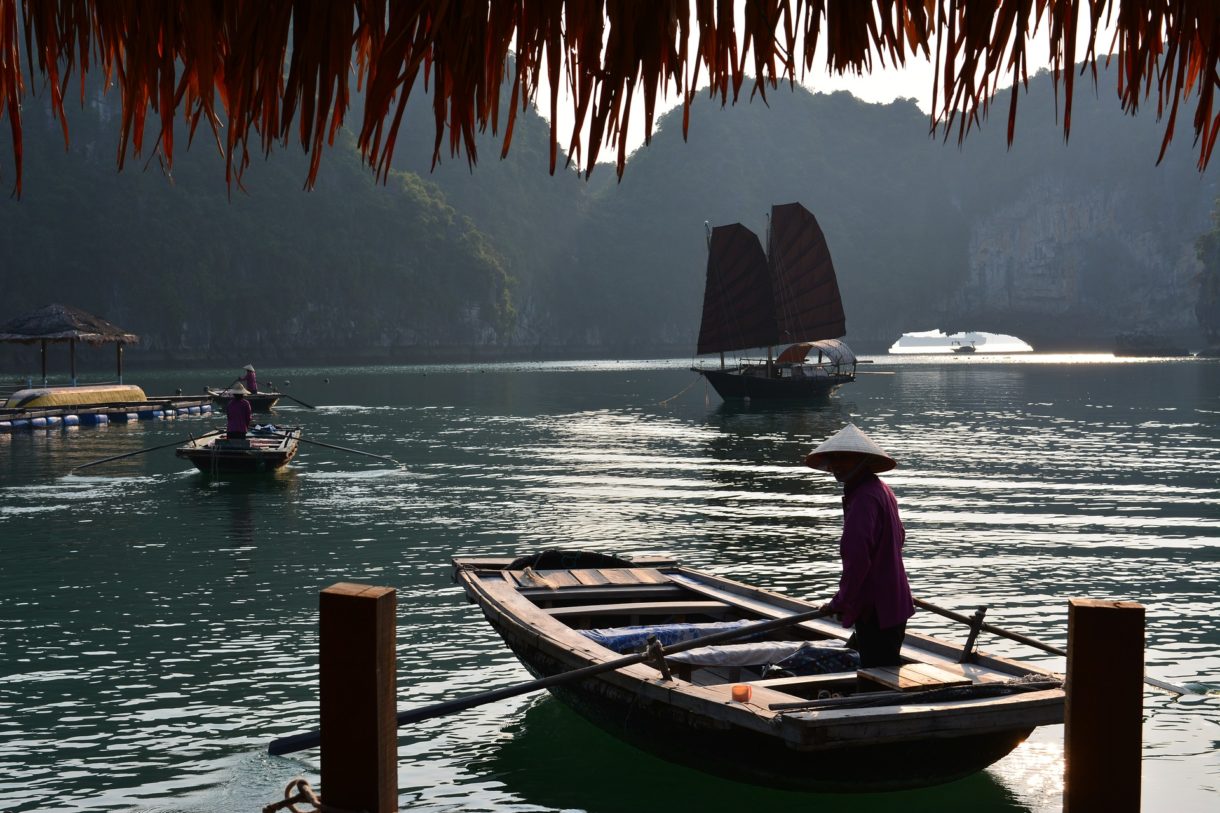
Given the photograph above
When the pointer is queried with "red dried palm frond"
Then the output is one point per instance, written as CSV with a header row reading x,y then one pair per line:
x,y
253,70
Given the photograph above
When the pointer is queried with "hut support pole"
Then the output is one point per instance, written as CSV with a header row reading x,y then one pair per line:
x,y
1104,712
44,362
118,355
359,730
72,359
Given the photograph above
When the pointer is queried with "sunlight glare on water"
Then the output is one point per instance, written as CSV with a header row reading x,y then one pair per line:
x,y
159,628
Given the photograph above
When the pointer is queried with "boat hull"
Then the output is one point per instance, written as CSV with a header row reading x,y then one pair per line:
x,y
224,457
941,722
259,401
733,385
690,739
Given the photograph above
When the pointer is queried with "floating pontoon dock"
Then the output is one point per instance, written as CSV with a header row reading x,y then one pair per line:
x,y
52,417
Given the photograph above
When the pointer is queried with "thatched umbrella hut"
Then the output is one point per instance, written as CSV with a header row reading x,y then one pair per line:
x,y
63,323
258,72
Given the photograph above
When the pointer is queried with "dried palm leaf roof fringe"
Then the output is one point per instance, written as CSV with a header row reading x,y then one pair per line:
x,y
251,69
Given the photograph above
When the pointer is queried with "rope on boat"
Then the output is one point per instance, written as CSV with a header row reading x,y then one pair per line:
x,y
298,791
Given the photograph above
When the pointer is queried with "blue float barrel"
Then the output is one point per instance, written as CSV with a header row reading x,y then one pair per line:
x,y
72,420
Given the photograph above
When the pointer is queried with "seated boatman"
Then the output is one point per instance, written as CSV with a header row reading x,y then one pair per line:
x,y
239,413
874,594
250,380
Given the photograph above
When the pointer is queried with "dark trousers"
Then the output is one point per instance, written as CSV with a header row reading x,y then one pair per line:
x,y
235,435
878,647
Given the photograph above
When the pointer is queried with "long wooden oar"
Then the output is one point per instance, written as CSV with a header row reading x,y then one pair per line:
x,y
142,451
299,742
298,400
340,448
1036,644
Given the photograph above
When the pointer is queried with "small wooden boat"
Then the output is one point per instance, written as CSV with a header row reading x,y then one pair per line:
x,y
261,401
262,450
790,709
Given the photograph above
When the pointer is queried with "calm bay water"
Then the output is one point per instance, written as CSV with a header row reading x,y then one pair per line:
x,y
158,628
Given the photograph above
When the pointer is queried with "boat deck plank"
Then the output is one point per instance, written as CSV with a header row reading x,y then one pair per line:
x,y
642,608
912,677
590,577
604,593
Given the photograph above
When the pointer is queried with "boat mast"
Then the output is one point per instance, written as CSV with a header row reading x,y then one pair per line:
x,y
770,365
707,227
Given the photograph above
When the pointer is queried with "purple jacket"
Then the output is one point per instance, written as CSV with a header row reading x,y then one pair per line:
x,y
239,413
251,381
874,582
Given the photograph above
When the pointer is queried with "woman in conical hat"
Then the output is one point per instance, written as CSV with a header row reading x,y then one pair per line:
x,y
239,413
850,441
249,379
873,594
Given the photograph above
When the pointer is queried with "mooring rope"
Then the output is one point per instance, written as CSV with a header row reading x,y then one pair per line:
x,y
672,397
298,790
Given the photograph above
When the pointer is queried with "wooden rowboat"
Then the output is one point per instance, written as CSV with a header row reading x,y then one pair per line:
x,y
792,709
259,451
261,401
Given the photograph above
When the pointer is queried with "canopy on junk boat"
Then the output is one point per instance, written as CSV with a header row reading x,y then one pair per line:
x,y
64,323
832,350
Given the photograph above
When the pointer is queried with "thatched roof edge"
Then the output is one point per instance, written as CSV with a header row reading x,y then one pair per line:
x,y
263,72
64,323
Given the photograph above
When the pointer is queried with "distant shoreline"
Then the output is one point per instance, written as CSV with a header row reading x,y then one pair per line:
x,y
18,362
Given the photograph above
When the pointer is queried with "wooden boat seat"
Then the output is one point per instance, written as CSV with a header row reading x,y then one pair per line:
x,y
637,609
795,685
912,677
585,577
600,595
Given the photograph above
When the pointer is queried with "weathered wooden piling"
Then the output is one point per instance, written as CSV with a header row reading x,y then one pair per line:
x,y
359,733
1104,711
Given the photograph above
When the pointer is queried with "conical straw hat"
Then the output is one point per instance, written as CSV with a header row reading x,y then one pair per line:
x,y
849,439
239,389
249,367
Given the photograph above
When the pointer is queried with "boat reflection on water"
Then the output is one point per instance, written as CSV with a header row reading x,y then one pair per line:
x,y
603,775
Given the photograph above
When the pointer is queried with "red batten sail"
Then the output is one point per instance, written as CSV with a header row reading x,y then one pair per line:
x,y
756,300
738,306
807,302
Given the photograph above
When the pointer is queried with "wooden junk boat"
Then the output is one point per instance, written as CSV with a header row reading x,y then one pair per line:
x,y
788,295
261,401
812,718
262,450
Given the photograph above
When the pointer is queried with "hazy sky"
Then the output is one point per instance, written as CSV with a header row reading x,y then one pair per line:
x,y
883,85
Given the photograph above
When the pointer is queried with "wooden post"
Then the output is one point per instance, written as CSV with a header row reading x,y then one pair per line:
x,y
359,732
1104,711
72,358
44,362
118,353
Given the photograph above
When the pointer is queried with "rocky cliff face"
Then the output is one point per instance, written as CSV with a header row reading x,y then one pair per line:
x,y
1089,261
